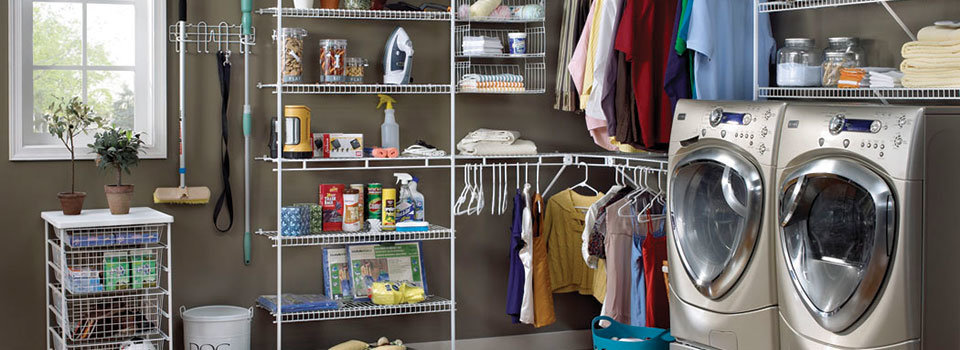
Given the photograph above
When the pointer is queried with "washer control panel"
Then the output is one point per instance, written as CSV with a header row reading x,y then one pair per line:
x,y
751,126
882,134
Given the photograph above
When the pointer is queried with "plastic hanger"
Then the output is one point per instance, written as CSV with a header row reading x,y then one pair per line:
x,y
586,177
632,197
464,193
658,198
495,189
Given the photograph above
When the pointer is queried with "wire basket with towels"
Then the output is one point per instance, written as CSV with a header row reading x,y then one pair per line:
x,y
619,336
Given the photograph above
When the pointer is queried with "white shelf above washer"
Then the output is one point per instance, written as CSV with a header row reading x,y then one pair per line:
x,y
792,5
359,89
860,94
435,232
387,15
366,309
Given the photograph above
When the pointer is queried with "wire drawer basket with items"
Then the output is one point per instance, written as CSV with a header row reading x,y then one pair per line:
x,y
116,317
107,270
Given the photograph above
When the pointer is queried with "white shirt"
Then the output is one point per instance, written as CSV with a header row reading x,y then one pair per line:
x,y
604,67
526,258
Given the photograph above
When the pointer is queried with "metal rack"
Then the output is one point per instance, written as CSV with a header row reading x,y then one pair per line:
x,y
822,93
358,89
536,41
359,14
201,35
366,309
490,19
533,73
435,232
108,279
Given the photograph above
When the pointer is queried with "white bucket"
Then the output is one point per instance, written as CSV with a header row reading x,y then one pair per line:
x,y
216,327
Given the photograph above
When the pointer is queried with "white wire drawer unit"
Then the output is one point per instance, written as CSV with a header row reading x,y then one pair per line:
x,y
108,279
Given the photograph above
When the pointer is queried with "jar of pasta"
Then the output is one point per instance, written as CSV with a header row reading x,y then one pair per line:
x,y
333,55
292,39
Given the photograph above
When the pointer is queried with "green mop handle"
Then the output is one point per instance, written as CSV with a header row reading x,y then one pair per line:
x,y
246,9
246,13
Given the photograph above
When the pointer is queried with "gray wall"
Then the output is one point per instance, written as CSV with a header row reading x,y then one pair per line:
x,y
207,264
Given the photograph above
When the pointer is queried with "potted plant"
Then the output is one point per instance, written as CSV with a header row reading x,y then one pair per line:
x,y
119,150
67,119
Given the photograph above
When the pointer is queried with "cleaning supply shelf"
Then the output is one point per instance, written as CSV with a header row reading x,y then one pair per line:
x,y
358,14
336,238
860,94
403,163
359,89
366,309
791,5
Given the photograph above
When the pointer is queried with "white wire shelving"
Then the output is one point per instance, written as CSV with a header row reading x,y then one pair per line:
x,y
434,233
366,309
791,5
387,15
533,74
108,279
201,37
359,89
935,94
512,4
655,160
536,42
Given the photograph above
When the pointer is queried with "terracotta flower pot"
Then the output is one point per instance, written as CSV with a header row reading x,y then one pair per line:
x,y
118,197
71,203
330,4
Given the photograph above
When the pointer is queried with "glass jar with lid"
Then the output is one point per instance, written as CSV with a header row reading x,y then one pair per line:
x,y
798,63
293,54
333,55
850,46
355,68
833,62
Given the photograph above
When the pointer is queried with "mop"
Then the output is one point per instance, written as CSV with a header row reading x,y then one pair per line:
x,y
182,194
246,10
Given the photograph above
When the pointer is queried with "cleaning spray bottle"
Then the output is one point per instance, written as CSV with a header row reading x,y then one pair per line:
x,y
406,208
419,213
389,130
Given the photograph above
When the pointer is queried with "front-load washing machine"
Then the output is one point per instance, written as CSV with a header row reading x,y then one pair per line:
x,y
868,214
722,160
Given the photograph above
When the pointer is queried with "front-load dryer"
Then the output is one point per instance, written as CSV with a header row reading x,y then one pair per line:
x,y
867,243
722,160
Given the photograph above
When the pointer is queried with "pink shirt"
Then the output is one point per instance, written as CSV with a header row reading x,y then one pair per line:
x,y
576,68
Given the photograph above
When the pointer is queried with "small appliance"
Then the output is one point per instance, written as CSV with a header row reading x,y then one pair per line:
x,y
297,143
398,58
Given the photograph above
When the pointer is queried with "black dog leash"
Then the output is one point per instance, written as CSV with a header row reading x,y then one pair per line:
x,y
226,195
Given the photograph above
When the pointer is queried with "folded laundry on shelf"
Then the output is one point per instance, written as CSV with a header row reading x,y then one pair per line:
x,y
929,65
938,33
481,45
479,135
486,148
939,79
852,78
891,79
931,49
492,83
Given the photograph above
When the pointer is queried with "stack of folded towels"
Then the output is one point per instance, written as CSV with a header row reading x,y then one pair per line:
x,y
869,77
933,61
487,142
491,83
481,46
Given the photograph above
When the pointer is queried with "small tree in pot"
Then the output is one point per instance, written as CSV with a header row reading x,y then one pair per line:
x,y
67,119
117,149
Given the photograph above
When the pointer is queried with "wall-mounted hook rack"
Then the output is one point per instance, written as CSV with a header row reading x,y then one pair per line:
x,y
203,37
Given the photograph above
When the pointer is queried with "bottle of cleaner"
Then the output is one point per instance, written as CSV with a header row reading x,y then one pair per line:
x,y
406,209
389,130
389,221
419,213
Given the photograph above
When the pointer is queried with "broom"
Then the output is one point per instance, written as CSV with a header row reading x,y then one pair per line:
x,y
182,194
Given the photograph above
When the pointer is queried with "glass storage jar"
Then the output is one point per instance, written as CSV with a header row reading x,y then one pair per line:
x,y
293,54
355,68
357,4
333,54
832,63
798,63
849,45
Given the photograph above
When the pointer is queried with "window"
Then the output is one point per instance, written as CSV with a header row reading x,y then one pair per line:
x,y
111,53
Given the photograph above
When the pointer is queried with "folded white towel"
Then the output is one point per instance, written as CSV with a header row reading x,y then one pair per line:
x,y
501,136
930,65
931,49
938,33
941,79
486,148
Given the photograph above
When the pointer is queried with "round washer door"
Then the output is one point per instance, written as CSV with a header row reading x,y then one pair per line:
x,y
837,229
716,206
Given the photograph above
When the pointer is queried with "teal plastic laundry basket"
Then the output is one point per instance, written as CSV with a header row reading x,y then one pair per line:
x,y
653,338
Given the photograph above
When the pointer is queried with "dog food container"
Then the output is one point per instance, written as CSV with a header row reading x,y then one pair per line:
x,y
216,327
333,55
293,54
355,68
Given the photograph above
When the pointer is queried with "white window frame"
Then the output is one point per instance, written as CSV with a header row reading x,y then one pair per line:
x,y
20,50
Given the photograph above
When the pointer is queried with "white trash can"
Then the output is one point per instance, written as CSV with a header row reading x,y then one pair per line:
x,y
216,327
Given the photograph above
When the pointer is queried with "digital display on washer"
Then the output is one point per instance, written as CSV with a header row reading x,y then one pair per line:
x,y
735,118
858,125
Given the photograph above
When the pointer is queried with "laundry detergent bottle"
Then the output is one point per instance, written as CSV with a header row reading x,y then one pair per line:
x,y
389,130
419,213
406,209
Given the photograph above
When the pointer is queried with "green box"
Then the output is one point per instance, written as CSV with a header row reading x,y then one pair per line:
x,y
116,271
143,267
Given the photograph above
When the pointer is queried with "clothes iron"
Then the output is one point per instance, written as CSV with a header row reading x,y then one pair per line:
x,y
398,58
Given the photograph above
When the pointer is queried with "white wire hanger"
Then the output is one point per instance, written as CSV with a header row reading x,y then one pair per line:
x,y
586,177
657,199
467,190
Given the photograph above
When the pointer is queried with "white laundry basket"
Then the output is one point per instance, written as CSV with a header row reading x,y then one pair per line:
x,y
216,327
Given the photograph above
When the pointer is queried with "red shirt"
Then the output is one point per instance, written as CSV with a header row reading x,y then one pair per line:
x,y
644,36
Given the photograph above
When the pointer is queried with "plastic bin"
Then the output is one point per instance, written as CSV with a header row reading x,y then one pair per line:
x,y
652,338
217,326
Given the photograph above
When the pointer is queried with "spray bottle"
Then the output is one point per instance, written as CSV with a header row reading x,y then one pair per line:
x,y
419,213
389,130
406,209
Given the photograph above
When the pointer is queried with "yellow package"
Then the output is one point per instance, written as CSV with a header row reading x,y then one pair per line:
x,y
387,293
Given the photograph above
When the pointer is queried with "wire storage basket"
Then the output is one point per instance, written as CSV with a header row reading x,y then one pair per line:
x,y
118,317
501,78
90,271
520,11
535,41
111,235
152,342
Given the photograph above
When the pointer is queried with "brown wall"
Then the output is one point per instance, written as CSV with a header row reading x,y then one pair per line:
x,y
207,264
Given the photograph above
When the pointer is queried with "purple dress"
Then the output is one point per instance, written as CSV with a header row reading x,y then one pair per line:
x,y
515,276
677,78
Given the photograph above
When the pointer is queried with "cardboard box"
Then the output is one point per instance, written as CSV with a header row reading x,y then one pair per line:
x,y
143,267
336,274
337,145
116,271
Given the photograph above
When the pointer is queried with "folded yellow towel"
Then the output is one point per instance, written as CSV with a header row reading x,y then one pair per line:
x,y
935,33
930,65
932,80
932,49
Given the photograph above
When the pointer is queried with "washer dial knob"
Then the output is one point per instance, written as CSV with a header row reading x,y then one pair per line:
x,y
762,149
767,115
876,126
902,121
897,141
764,132
716,116
837,123
747,118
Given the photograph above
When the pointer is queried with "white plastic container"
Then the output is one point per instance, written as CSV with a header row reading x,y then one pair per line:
x,y
217,327
518,43
303,4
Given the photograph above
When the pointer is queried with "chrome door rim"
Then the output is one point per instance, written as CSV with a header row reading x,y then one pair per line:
x,y
741,256
868,287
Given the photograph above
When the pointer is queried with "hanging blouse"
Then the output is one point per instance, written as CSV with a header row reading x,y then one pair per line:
x,y
515,277
543,313
563,226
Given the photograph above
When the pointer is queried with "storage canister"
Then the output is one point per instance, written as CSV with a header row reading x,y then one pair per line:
x,y
333,55
843,52
355,68
293,54
357,4
352,217
798,63
216,327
